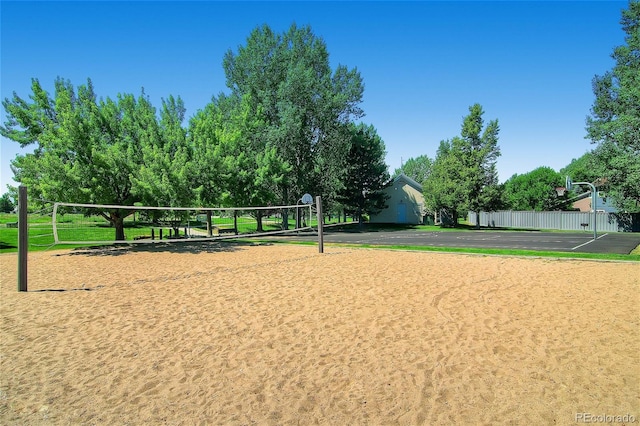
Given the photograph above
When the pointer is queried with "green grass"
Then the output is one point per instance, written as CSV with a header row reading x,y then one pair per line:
x,y
41,236
95,228
489,252
8,218
460,228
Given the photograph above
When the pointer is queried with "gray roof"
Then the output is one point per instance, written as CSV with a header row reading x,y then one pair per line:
x,y
408,180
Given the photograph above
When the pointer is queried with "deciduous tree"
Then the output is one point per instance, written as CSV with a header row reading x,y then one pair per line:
x,y
464,177
235,168
417,168
582,169
253,169
86,151
614,123
164,178
305,105
533,191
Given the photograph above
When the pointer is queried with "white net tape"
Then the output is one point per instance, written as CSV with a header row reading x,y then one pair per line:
x,y
107,224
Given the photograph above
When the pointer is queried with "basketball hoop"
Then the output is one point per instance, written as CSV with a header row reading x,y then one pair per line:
x,y
561,190
307,199
568,183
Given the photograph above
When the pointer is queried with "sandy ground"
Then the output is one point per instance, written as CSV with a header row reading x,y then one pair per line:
x,y
241,335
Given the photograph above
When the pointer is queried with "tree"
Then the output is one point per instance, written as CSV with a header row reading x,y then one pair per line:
x,y
252,169
614,124
533,191
164,178
204,133
366,172
442,190
304,105
86,151
6,203
233,166
582,169
464,177
479,156
417,168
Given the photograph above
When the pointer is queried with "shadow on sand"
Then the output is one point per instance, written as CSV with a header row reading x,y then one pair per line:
x,y
193,247
61,290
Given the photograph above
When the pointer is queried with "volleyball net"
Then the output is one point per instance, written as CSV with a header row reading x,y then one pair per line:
x,y
76,224
101,224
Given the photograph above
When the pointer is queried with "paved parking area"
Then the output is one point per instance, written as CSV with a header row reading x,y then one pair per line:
x,y
620,243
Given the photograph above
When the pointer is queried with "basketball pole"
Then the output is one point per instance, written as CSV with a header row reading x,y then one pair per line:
x,y
320,217
22,238
594,200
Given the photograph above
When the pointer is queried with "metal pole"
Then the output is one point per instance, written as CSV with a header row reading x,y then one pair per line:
x,y
320,220
594,199
22,238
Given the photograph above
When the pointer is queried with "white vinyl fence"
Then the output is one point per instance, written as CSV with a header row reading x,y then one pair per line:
x,y
569,221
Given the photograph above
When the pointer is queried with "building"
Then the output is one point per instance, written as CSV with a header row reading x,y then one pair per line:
x,y
405,202
583,203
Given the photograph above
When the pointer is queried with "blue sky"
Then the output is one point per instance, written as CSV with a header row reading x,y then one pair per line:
x,y
529,64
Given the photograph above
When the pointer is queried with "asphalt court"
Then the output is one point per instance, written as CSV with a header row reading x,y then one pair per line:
x,y
580,242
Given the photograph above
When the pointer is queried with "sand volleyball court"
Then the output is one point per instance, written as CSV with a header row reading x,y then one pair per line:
x,y
279,334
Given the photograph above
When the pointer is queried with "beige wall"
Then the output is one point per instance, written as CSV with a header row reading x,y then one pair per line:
x,y
401,194
584,205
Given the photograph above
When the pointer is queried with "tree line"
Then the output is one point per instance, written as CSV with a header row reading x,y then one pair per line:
x,y
462,175
287,127
290,125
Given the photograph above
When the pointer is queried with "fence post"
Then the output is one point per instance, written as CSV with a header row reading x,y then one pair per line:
x,y
23,242
320,224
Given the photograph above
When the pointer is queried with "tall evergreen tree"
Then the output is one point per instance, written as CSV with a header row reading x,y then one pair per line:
x,y
365,174
6,203
614,123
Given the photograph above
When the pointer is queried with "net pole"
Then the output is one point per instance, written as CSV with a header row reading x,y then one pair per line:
x,y
54,224
320,217
22,238
594,201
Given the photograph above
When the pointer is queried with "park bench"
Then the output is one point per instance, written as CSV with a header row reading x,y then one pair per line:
x,y
217,230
